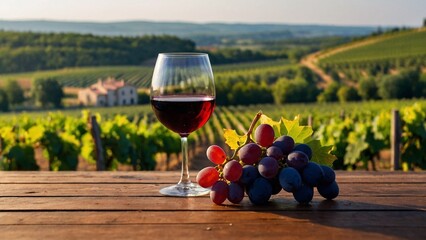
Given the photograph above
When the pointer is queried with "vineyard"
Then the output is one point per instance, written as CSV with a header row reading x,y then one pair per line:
x,y
378,54
139,76
359,132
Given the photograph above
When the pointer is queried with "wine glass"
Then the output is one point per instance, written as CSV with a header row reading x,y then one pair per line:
x,y
183,99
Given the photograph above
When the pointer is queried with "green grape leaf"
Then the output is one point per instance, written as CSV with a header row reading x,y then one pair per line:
x,y
321,154
232,139
300,134
35,133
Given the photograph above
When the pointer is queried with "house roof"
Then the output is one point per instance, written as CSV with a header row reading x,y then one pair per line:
x,y
102,87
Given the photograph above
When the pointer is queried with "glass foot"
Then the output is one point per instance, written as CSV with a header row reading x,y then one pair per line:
x,y
185,190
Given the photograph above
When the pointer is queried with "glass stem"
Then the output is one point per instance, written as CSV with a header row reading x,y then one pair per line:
x,y
184,176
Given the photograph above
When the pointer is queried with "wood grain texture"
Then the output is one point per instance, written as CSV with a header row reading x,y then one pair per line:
x,y
127,205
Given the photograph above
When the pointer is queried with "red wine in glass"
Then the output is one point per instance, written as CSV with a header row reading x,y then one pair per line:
x,y
183,98
183,114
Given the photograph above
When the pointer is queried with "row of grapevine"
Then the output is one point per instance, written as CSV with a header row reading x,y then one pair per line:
x,y
65,140
358,136
377,55
139,76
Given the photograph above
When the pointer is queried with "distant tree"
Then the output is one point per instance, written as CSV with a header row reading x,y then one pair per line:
x,y
424,22
406,84
292,91
330,93
347,94
47,92
4,103
306,73
15,93
143,97
367,89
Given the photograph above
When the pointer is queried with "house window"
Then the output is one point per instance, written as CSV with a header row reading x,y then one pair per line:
x,y
124,101
132,101
131,91
122,93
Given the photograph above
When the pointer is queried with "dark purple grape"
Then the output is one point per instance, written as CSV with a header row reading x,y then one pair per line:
x,y
232,171
297,160
268,167
290,179
276,186
260,191
329,191
329,175
312,174
275,152
304,148
250,153
236,193
264,135
219,192
250,173
304,194
285,143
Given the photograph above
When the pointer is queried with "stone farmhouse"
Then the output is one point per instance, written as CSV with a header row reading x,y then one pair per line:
x,y
108,93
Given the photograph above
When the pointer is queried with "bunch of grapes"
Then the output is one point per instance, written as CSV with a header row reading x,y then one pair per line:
x,y
262,167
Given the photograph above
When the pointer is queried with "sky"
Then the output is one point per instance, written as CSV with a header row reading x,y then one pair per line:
x,y
334,12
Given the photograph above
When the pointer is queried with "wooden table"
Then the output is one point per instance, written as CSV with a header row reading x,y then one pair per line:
x,y
127,205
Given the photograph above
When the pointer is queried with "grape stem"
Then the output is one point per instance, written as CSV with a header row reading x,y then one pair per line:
x,y
248,134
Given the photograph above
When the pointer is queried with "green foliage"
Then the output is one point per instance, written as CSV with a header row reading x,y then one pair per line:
x,y
143,97
47,92
330,93
367,89
4,102
15,93
414,136
386,47
356,139
347,94
292,91
377,55
19,157
29,51
403,85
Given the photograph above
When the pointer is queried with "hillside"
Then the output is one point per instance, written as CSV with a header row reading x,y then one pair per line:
x,y
389,46
202,34
370,57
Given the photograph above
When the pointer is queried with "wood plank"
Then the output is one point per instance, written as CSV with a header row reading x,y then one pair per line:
x,y
263,230
337,219
173,176
120,189
277,203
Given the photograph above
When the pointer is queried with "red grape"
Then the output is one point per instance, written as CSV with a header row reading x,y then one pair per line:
x,y
264,135
219,192
250,153
216,154
232,171
207,177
